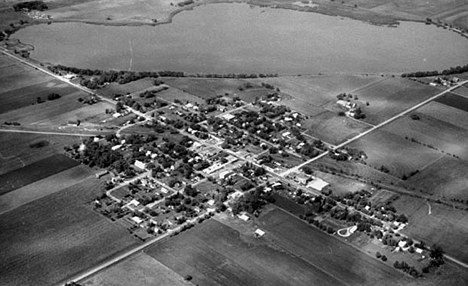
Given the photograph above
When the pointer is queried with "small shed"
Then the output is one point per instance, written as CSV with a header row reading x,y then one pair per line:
x,y
259,232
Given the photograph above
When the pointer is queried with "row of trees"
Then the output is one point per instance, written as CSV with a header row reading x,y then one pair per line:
x,y
30,5
450,71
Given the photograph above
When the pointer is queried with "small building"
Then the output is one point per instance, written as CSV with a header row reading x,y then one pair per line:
x,y
229,116
137,220
225,174
244,217
116,147
259,233
317,184
140,165
101,173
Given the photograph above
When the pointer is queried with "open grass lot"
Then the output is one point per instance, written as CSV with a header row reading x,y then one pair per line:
x,y
398,155
319,90
445,225
112,12
341,185
454,100
174,93
209,88
34,172
463,90
138,270
390,97
332,128
44,187
445,113
215,254
352,168
427,130
17,150
131,87
447,177
206,88
47,241
332,256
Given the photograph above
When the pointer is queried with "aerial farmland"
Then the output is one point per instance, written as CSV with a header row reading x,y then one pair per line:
x,y
233,142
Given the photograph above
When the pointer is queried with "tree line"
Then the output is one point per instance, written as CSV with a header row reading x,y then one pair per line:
x,y
450,71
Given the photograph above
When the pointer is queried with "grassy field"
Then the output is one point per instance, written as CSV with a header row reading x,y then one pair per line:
x,y
328,254
18,150
433,132
332,128
398,155
206,88
44,187
444,225
34,172
47,241
138,270
215,254
390,97
446,178
134,86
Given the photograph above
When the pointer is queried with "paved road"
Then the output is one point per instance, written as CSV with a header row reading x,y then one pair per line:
x,y
44,132
411,109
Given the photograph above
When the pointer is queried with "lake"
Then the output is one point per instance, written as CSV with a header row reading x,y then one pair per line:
x,y
238,38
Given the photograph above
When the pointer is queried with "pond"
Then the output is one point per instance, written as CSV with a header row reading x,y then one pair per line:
x,y
238,38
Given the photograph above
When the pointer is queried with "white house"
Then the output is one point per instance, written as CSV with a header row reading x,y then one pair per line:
x,y
140,165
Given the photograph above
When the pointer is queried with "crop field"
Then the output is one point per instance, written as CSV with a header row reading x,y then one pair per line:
x,y
215,254
57,236
34,172
19,150
138,270
445,113
454,100
382,197
33,113
326,253
439,134
398,155
463,91
44,187
332,128
319,90
443,225
131,87
22,80
447,177
390,97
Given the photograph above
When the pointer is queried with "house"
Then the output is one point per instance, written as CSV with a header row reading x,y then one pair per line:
x,y
137,220
140,165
